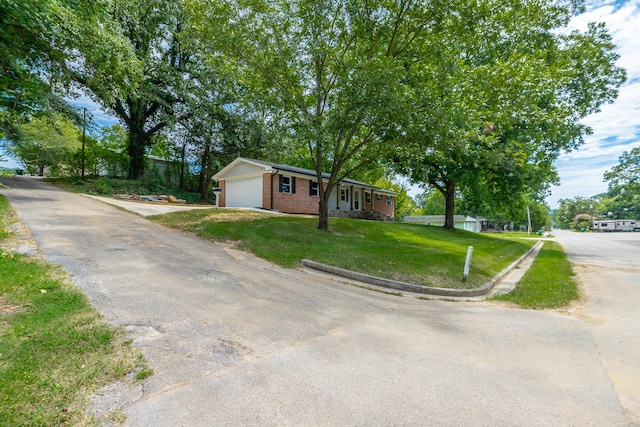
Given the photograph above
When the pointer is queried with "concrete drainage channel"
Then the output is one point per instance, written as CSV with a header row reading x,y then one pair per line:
x,y
484,290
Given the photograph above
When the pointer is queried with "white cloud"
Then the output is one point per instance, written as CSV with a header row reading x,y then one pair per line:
x,y
617,127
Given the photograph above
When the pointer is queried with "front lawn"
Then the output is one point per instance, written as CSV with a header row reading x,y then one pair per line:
x,y
423,255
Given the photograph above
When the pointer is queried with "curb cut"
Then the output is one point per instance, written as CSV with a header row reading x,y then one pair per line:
x,y
409,287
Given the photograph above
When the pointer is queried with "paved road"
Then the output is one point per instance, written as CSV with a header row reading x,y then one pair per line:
x,y
608,264
236,341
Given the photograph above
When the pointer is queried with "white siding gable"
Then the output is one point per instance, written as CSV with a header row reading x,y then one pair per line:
x,y
244,169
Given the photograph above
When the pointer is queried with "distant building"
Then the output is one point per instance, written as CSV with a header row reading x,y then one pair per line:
x,y
169,170
461,222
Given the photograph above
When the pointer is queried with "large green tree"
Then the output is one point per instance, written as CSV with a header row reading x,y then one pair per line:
x,y
38,38
48,141
216,124
28,47
623,197
331,72
571,208
111,151
430,202
627,172
502,98
140,73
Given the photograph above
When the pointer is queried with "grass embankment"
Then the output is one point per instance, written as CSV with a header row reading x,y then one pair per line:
x,y
105,186
549,283
427,256
55,348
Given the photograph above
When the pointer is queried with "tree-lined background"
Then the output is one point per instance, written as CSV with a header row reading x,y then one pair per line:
x,y
472,101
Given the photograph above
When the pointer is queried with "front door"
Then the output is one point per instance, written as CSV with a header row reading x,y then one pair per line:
x,y
356,200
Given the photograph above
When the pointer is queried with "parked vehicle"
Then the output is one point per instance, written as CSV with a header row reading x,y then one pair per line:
x,y
616,225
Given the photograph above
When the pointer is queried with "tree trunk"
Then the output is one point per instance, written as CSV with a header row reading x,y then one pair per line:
x,y
323,211
204,173
182,155
136,151
449,194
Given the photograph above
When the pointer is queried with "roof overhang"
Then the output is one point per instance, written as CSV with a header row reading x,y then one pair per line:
x,y
274,168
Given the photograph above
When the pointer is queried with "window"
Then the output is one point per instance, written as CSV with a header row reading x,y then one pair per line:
x,y
389,200
287,184
313,189
344,195
378,197
367,198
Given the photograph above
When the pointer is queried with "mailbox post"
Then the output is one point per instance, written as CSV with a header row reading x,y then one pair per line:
x,y
217,191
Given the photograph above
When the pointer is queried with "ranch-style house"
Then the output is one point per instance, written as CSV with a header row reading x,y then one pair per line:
x,y
249,183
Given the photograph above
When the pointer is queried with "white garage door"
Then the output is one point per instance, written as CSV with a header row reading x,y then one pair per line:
x,y
244,193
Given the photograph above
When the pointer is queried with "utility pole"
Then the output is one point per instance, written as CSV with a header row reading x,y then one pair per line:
x,y
84,131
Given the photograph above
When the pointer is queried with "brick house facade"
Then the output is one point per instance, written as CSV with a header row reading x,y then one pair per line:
x,y
256,184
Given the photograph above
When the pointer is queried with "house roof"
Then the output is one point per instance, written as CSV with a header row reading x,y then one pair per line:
x,y
278,167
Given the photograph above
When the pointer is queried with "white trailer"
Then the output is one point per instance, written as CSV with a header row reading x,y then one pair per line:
x,y
609,225
627,225
616,225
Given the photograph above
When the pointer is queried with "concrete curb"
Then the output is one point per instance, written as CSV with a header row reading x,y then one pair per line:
x,y
409,287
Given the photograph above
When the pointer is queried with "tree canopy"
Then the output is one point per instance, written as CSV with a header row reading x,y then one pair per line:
x,y
28,49
474,98
500,103
332,73
627,172
138,74
38,39
623,197
44,142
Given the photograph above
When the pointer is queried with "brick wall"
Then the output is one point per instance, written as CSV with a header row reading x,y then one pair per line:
x,y
300,202
221,196
381,206
266,189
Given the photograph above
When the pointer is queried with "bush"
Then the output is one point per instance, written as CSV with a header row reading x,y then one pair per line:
x,y
581,222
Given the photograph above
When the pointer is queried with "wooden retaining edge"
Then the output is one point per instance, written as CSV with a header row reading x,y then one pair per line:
x,y
409,287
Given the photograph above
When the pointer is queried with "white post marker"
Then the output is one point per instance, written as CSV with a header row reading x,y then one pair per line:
x,y
217,191
467,264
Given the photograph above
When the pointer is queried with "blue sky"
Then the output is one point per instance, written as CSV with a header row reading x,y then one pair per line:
x,y
617,127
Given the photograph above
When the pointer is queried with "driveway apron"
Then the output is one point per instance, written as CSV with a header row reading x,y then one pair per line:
x,y
234,340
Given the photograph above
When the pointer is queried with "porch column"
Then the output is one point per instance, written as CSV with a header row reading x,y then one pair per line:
x,y
351,198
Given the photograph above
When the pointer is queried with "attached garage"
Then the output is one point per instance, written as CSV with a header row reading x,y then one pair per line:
x,y
244,193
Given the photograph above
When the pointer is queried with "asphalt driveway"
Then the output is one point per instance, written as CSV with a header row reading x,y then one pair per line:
x,y
234,340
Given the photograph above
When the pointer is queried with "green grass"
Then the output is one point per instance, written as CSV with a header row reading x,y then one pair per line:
x,y
427,256
549,283
144,373
55,348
